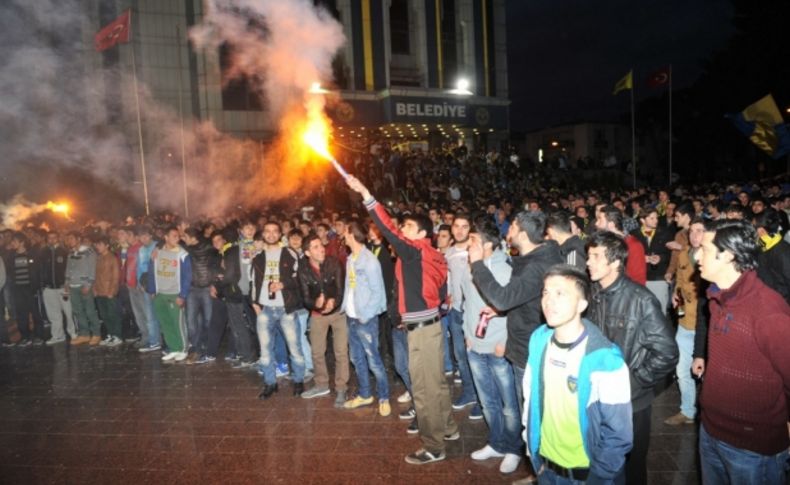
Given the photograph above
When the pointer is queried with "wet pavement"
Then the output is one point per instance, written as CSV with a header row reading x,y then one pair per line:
x,y
97,415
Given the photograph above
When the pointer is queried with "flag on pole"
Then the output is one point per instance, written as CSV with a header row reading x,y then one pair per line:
x,y
627,82
659,78
763,124
116,32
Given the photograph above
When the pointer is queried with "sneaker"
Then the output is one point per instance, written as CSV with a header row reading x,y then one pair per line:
x,y
131,340
192,357
281,370
358,402
55,341
315,392
209,359
104,342
384,408
242,364
423,456
180,356
231,356
146,349
463,402
95,340
38,342
113,342
678,419
169,356
404,398
82,339
485,453
203,359
24,343
267,391
9,344
452,436
476,414
457,378
509,463
340,399
408,414
448,373
413,428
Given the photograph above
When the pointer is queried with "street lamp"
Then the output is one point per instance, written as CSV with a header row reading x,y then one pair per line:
x,y
462,87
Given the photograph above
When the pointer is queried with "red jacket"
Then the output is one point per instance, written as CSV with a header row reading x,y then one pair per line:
x,y
744,398
420,269
635,266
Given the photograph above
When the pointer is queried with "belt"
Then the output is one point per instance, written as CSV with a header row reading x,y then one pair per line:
x,y
411,326
570,473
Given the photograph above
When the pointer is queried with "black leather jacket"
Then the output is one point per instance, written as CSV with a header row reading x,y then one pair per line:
x,y
226,281
205,264
289,264
52,266
331,283
631,317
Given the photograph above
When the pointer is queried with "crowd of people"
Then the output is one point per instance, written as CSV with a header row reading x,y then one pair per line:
x,y
554,313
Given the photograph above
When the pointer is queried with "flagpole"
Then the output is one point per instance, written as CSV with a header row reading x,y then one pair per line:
x,y
670,126
633,134
181,118
140,132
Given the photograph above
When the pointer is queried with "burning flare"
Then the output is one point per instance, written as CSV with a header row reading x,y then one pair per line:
x,y
61,208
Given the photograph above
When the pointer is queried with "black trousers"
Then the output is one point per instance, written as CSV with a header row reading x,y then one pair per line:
x,y
28,308
636,461
216,329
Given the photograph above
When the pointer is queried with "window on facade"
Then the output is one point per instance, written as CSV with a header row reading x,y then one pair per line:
x,y
449,53
399,27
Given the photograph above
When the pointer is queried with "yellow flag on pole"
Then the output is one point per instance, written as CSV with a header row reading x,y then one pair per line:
x,y
627,82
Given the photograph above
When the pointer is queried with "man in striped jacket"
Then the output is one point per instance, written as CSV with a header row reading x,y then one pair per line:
x,y
421,273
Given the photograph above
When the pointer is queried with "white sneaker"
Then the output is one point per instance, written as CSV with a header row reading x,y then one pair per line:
x,y
169,356
180,356
106,342
485,453
404,398
55,341
510,463
114,342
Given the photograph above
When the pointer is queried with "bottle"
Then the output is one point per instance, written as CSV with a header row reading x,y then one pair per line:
x,y
482,326
681,312
271,293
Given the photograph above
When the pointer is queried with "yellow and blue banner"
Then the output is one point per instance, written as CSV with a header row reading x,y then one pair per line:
x,y
762,123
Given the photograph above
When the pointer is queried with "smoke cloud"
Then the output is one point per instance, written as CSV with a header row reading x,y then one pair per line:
x,y
60,135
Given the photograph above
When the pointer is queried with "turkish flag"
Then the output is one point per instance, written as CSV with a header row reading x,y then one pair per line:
x,y
115,32
659,78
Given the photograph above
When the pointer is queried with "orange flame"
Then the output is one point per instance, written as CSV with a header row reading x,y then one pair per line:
x,y
316,136
61,208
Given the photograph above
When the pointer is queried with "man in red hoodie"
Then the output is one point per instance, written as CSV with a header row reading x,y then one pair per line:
x,y
744,400
421,273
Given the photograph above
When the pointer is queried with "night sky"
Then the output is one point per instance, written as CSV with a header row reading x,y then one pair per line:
x,y
564,56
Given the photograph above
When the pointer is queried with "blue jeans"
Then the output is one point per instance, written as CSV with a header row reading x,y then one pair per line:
x,y
518,375
154,333
269,320
459,350
723,464
688,388
448,360
496,388
199,308
363,342
400,354
301,318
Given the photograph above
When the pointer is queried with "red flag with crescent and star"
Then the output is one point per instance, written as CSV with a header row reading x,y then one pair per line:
x,y
116,32
659,78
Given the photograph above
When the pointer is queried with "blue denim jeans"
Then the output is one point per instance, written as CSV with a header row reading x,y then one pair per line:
x,y
449,365
269,320
723,464
688,388
363,342
400,355
459,351
199,307
301,318
496,388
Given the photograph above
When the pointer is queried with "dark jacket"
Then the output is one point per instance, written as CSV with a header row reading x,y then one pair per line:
x,y
205,263
630,316
574,252
24,271
384,256
520,298
292,296
774,269
657,246
330,283
228,275
52,266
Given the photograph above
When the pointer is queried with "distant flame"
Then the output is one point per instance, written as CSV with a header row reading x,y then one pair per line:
x,y
61,208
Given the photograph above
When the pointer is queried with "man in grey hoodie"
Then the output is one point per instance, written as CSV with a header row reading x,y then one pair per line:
x,y
80,276
485,344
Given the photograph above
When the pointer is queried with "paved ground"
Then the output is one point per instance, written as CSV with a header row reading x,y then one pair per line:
x,y
94,415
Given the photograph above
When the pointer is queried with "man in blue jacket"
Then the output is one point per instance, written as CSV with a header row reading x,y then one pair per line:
x,y
577,393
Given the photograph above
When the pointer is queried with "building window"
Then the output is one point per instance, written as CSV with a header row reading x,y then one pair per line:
x,y
399,27
449,53
237,92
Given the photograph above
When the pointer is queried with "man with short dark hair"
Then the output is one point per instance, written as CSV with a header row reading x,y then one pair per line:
x,y
629,315
205,265
609,218
558,228
53,278
654,239
105,290
744,399
24,276
80,276
774,256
